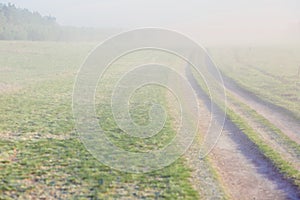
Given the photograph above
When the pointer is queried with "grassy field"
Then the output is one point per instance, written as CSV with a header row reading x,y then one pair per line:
x,y
271,72
40,153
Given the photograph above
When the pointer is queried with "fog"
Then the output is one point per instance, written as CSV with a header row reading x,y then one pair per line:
x,y
216,21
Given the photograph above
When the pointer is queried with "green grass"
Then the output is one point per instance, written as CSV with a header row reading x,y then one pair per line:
x,y
68,169
30,62
40,153
65,167
43,108
139,110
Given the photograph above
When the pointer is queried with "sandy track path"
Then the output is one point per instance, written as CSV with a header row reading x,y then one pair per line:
x,y
269,136
287,124
244,171
275,114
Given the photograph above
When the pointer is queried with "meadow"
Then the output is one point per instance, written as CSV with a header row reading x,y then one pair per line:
x,y
41,155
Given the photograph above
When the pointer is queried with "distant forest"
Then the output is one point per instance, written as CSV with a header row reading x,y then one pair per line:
x,y
22,24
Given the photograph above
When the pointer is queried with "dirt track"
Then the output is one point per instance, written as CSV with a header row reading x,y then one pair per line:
x,y
275,114
243,170
268,135
286,123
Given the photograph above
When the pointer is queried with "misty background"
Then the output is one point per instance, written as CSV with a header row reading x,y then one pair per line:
x,y
208,22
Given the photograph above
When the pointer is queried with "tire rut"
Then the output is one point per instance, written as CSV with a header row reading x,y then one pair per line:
x,y
243,169
287,151
282,118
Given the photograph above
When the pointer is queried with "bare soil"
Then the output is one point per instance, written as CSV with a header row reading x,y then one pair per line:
x,y
286,151
244,171
280,117
6,88
285,122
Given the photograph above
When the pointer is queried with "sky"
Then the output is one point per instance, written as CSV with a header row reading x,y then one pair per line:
x,y
237,20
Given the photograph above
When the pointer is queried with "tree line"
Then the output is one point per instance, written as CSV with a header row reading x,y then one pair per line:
x,y
22,24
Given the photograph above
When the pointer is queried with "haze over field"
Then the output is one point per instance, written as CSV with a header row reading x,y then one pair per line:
x,y
149,113
214,21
